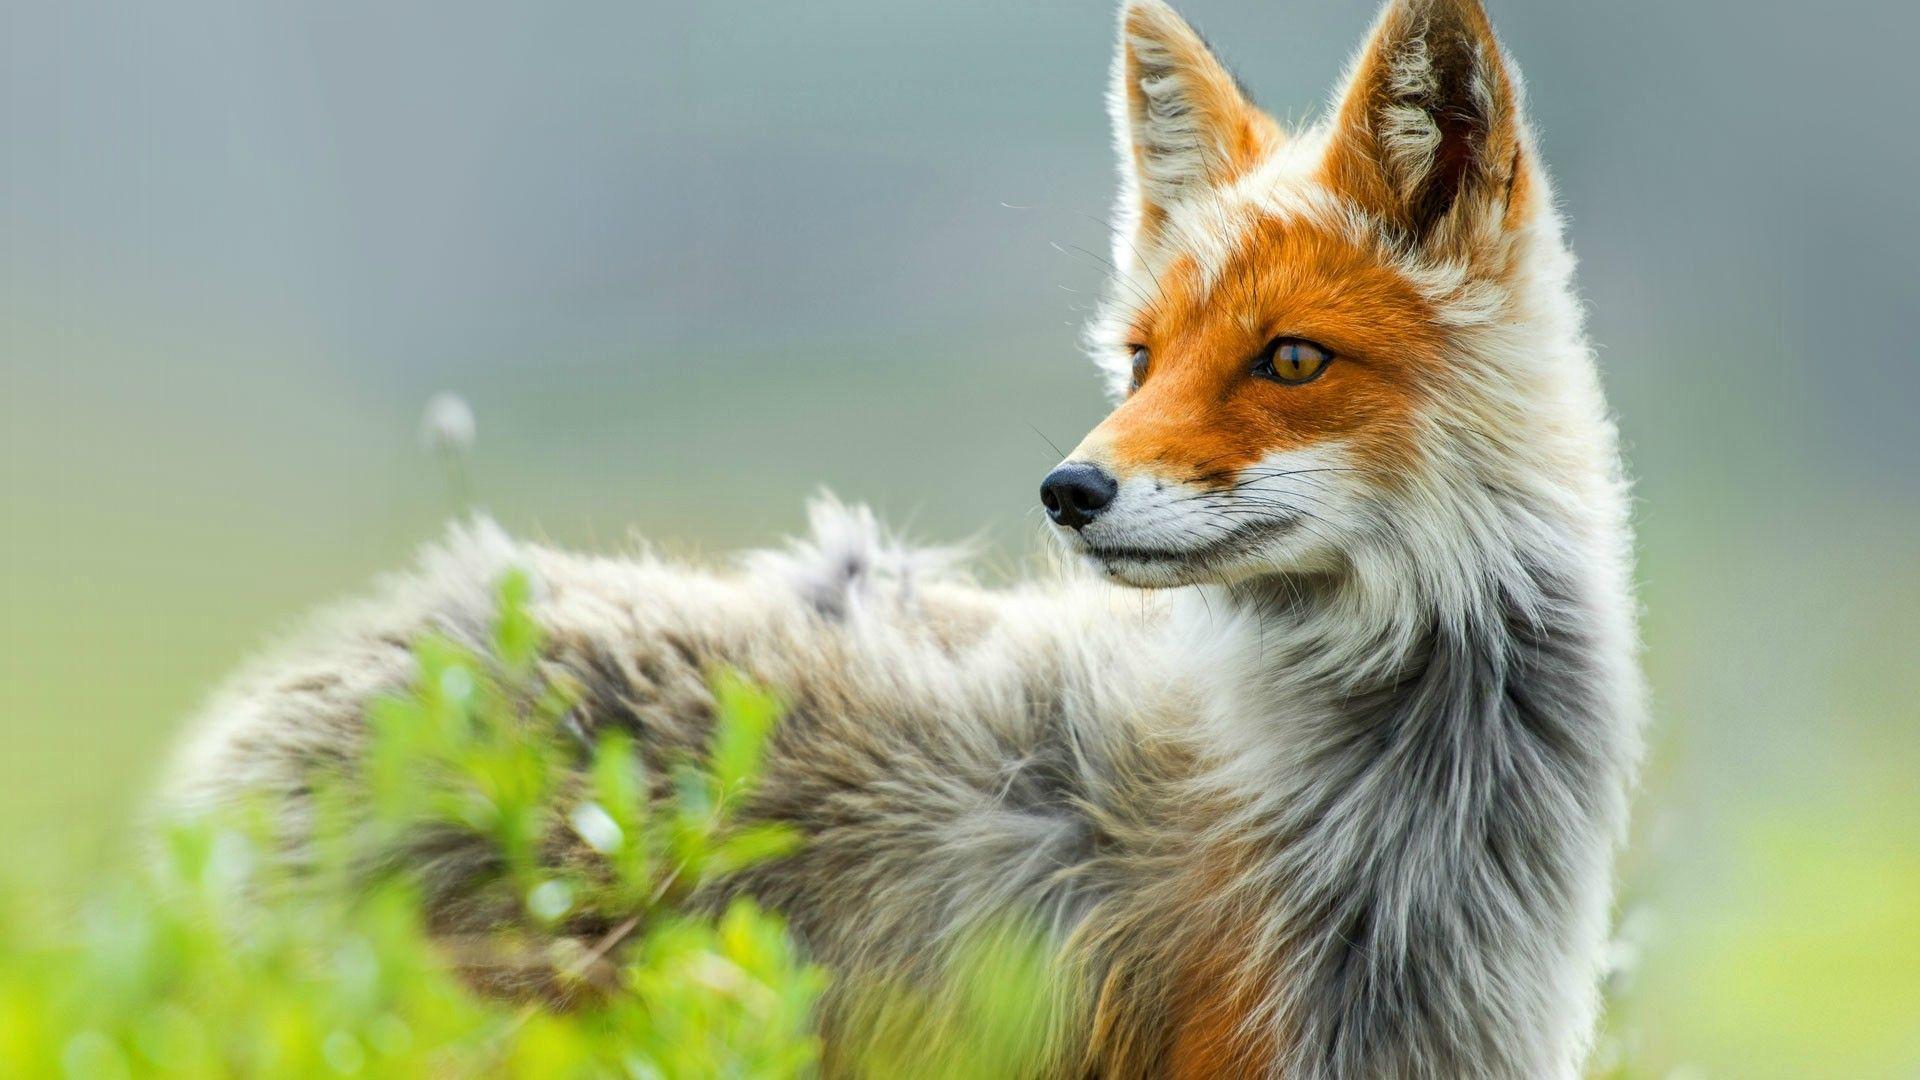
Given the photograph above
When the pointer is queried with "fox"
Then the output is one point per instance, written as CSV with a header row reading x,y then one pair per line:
x,y
1314,753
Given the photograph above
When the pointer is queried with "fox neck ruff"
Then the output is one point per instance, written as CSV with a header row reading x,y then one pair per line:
x,y
1430,766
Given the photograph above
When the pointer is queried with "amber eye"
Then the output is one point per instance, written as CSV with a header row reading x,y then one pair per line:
x,y
1140,359
1292,361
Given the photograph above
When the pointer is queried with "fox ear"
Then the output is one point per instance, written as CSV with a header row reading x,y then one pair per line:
x,y
1181,122
1428,134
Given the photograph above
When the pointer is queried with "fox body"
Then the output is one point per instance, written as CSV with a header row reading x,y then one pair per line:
x,y
1338,795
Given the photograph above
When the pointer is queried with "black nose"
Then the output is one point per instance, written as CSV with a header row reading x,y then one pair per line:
x,y
1075,493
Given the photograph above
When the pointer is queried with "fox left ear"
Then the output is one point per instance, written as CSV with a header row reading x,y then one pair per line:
x,y
1428,134
1180,120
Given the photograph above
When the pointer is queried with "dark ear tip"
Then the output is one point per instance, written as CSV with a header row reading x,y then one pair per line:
x,y
1469,16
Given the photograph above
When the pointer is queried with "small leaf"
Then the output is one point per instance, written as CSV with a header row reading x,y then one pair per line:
x,y
753,844
618,783
745,719
516,637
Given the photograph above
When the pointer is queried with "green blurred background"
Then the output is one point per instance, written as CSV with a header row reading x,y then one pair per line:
x,y
689,262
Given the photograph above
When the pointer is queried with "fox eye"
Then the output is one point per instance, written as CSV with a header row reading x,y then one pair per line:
x,y
1140,360
1292,361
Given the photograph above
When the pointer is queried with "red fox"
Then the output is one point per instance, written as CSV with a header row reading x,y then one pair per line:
x,y
1338,797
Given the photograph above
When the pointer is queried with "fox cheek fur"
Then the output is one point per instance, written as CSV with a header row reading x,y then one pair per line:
x,y
1342,806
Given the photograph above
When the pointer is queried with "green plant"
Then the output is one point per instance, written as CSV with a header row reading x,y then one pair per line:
x,y
225,959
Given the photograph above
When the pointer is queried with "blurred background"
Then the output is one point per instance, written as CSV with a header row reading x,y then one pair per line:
x,y
689,261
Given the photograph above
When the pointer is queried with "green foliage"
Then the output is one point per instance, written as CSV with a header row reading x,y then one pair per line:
x,y
226,959
998,1010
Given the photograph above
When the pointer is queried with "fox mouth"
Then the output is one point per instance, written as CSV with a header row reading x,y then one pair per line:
x,y
1226,547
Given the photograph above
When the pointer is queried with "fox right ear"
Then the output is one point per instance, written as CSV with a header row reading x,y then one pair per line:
x,y
1428,134
1180,121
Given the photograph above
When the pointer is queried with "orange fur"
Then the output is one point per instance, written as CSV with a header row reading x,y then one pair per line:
x,y
1218,1023
1201,417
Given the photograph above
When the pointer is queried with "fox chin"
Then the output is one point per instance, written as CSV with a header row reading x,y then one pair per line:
x,y
1340,796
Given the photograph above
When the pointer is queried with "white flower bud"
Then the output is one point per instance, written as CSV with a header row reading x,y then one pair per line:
x,y
447,426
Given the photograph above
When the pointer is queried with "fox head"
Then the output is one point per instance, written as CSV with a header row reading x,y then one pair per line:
x,y
1349,346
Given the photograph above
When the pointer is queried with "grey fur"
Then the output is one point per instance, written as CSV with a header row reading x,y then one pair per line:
x,y
1437,859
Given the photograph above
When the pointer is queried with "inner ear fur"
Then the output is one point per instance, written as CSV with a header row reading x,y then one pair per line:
x,y
1428,134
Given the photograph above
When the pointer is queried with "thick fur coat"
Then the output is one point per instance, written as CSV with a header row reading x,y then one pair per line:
x,y
1340,798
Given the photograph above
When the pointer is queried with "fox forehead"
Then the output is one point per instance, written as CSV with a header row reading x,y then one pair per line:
x,y
1295,268
1287,182
1288,262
